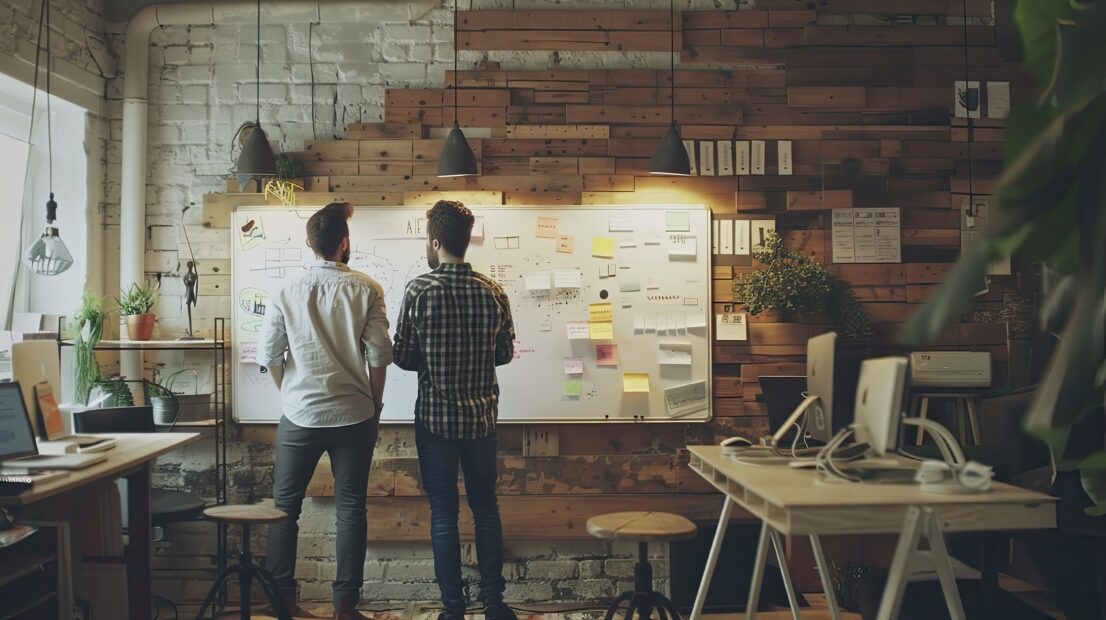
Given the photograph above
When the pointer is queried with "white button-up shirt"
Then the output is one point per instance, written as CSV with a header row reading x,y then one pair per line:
x,y
323,329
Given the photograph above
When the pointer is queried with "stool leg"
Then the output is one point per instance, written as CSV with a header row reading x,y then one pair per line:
x,y
973,420
245,578
631,610
922,414
625,597
667,604
272,592
220,581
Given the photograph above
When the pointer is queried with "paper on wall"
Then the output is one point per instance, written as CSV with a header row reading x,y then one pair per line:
x,y
621,222
998,99
651,283
686,399
567,278
577,330
602,247
706,158
547,228
600,312
477,229
784,156
639,323
606,355
741,234
650,323
674,353
726,245
677,221
715,237
741,157
725,158
627,301
689,146
574,365
629,282
681,246
635,382
757,159
731,326
601,330
564,244
866,235
573,388
537,281
759,231
247,353
696,318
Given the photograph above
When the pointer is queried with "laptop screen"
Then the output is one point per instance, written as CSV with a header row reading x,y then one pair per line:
x,y
16,438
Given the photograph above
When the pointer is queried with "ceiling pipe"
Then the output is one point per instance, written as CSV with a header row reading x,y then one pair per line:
x,y
136,89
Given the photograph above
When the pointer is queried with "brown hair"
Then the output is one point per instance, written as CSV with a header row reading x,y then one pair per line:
x,y
450,222
327,227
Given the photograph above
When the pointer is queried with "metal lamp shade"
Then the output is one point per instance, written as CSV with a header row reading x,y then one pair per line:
x,y
256,158
456,158
48,255
671,157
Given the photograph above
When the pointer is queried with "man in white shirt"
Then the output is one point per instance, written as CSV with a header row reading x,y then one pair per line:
x,y
326,345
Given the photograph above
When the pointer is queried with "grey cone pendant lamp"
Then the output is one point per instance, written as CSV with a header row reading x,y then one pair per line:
x,y
256,158
670,158
456,158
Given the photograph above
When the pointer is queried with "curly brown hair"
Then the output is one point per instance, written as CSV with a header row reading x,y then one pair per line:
x,y
327,227
450,222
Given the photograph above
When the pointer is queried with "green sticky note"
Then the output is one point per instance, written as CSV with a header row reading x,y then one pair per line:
x,y
573,388
677,221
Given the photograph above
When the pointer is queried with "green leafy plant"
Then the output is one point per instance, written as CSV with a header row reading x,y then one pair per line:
x,y
289,168
792,284
90,329
136,300
115,386
1049,206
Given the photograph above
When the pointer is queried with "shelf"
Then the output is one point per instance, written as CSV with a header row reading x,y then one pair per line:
x,y
156,345
194,424
19,566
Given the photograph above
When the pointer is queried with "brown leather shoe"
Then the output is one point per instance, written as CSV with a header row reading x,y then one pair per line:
x,y
347,610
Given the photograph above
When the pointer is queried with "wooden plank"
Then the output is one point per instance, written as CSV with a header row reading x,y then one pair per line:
x,y
807,200
831,76
554,165
596,165
413,97
541,198
831,57
549,517
562,132
654,114
543,148
401,168
700,20
869,274
608,183
384,149
927,273
560,96
587,20
558,183
742,37
728,57
782,37
898,35
559,40
331,150
466,197
371,131
826,97
394,183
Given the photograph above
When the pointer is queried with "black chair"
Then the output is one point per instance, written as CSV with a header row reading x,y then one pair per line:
x,y
167,505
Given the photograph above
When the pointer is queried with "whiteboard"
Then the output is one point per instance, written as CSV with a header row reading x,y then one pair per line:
x,y
661,250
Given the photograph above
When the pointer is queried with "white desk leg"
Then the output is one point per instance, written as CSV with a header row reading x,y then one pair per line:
x,y
900,565
712,558
826,576
781,557
944,566
758,572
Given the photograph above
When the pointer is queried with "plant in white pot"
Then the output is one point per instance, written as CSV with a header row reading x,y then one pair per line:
x,y
136,305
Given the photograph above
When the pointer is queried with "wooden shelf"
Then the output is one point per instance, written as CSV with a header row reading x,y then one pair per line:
x,y
194,424
24,565
156,345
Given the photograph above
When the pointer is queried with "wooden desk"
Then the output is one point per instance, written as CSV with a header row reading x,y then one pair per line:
x,y
131,458
797,502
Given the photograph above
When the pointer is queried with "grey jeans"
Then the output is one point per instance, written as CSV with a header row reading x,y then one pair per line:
x,y
298,450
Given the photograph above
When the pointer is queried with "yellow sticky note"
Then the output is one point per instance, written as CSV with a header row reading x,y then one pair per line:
x,y
602,330
600,312
635,382
603,247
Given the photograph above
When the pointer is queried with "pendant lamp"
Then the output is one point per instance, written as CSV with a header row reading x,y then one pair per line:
x,y
48,255
456,158
670,158
256,159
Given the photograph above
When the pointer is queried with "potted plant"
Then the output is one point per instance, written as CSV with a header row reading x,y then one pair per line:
x,y
135,304
290,169
794,284
89,321
119,394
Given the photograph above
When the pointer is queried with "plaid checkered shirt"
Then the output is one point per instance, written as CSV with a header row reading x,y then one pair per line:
x,y
454,329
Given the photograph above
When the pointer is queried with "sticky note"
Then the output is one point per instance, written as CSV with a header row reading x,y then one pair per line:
x,y
696,318
573,388
567,278
627,243
635,382
629,282
621,222
677,221
546,325
627,301
577,330
681,246
603,247
606,355
537,281
546,228
477,229
601,330
639,323
574,365
564,244
651,283
650,322
600,312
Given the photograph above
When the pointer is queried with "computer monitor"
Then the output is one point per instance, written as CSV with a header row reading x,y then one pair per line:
x,y
781,395
17,440
821,352
880,394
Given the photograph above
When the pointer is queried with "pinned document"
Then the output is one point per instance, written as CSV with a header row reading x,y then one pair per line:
x,y
600,312
567,278
686,399
537,281
674,353
574,365
606,355
577,330
573,388
602,330
546,228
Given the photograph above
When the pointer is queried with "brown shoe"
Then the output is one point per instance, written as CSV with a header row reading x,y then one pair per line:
x,y
347,610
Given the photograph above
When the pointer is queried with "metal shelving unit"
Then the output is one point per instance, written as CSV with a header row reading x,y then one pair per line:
x,y
219,348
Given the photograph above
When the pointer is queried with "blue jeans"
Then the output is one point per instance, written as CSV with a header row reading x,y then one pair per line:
x,y
439,459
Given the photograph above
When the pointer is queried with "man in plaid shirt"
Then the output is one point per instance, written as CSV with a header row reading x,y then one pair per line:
x,y
454,329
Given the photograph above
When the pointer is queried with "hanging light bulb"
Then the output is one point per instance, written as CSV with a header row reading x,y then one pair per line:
x,y
456,158
671,158
48,255
256,159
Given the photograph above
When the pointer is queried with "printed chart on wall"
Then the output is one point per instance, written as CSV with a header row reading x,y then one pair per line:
x,y
610,304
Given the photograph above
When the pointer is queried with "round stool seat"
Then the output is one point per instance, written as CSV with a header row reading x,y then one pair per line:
x,y
245,513
641,526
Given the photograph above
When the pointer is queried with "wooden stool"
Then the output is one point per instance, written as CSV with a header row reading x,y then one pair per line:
x,y
246,570
642,528
964,401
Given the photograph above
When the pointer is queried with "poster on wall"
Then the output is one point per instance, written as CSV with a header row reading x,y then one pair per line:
x,y
867,235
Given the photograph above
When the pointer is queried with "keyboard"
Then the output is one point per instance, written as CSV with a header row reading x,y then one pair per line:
x,y
15,482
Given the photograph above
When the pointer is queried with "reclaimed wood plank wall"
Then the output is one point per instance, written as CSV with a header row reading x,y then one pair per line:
x,y
862,89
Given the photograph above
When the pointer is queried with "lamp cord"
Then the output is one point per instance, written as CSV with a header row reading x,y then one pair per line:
x,y
971,124
311,67
49,121
456,54
672,59
259,63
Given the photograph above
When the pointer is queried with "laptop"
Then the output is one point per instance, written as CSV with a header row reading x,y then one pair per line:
x,y
18,449
52,428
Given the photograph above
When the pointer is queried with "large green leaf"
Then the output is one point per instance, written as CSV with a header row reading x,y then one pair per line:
x,y
1057,304
1092,476
1037,24
952,298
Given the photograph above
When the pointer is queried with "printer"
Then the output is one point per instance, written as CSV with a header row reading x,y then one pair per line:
x,y
950,369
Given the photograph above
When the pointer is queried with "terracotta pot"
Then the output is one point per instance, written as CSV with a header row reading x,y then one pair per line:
x,y
140,326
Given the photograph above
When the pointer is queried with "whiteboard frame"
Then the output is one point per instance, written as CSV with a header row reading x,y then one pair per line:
x,y
687,419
